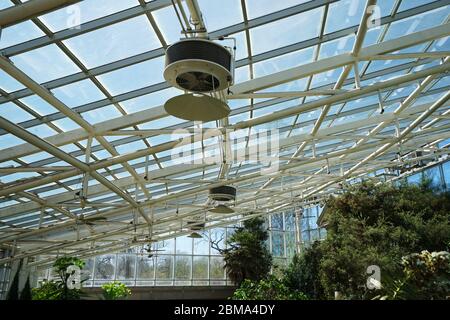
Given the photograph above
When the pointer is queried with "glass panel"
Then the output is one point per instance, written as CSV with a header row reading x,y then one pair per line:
x,y
218,238
446,170
201,246
184,245
200,268
115,42
290,244
434,174
263,39
164,268
105,266
217,15
89,10
216,268
145,268
126,266
277,244
183,266
87,272
415,178
166,245
257,8
277,221
45,64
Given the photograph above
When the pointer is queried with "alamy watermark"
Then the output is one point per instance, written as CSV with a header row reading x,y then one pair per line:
x,y
225,146
373,282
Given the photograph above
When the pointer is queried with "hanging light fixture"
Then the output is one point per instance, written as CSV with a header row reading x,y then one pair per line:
x,y
195,235
221,208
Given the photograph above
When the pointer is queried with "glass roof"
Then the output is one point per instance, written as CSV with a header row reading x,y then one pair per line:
x,y
341,99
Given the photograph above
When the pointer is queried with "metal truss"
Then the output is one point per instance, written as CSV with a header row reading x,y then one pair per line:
x,y
138,203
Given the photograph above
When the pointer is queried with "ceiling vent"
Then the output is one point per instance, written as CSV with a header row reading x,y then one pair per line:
x,y
198,65
203,69
223,193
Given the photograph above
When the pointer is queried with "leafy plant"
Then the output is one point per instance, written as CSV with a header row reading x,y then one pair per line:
x,y
270,288
302,272
247,256
425,276
115,290
378,225
59,289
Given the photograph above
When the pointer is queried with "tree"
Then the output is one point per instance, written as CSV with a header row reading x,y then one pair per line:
x,y
301,273
26,291
270,288
425,276
378,225
13,293
115,290
60,290
62,267
247,256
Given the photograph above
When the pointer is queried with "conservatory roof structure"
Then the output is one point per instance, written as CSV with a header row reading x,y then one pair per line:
x,y
90,161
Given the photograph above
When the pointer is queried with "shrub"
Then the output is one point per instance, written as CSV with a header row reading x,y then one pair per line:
x,y
115,290
270,288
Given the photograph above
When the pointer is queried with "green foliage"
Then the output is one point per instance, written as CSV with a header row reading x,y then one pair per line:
x,y
425,276
54,290
115,290
375,225
59,290
26,291
270,288
61,266
301,274
247,256
13,293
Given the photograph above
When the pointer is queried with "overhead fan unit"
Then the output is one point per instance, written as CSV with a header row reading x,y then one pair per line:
x,y
198,65
223,193
195,225
203,69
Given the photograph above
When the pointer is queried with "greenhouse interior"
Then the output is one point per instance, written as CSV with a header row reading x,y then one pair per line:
x,y
224,149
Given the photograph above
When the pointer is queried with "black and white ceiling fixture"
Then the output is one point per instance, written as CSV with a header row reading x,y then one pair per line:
x,y
203,69
223,196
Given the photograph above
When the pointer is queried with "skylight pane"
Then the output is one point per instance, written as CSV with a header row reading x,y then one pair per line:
x,y
78,93
19,33
8,83
257,8
287,31
134,77
336,47
14,113
8,140
168,24
283,62
405,5
38,105
45,64
102,114
343,14
114,42
148,101
217,15
417,23
84,11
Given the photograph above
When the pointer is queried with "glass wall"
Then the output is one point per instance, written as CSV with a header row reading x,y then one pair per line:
x,y
184,261
5,274
439,175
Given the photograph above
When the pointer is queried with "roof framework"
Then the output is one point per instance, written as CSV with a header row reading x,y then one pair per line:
x,y
340,116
